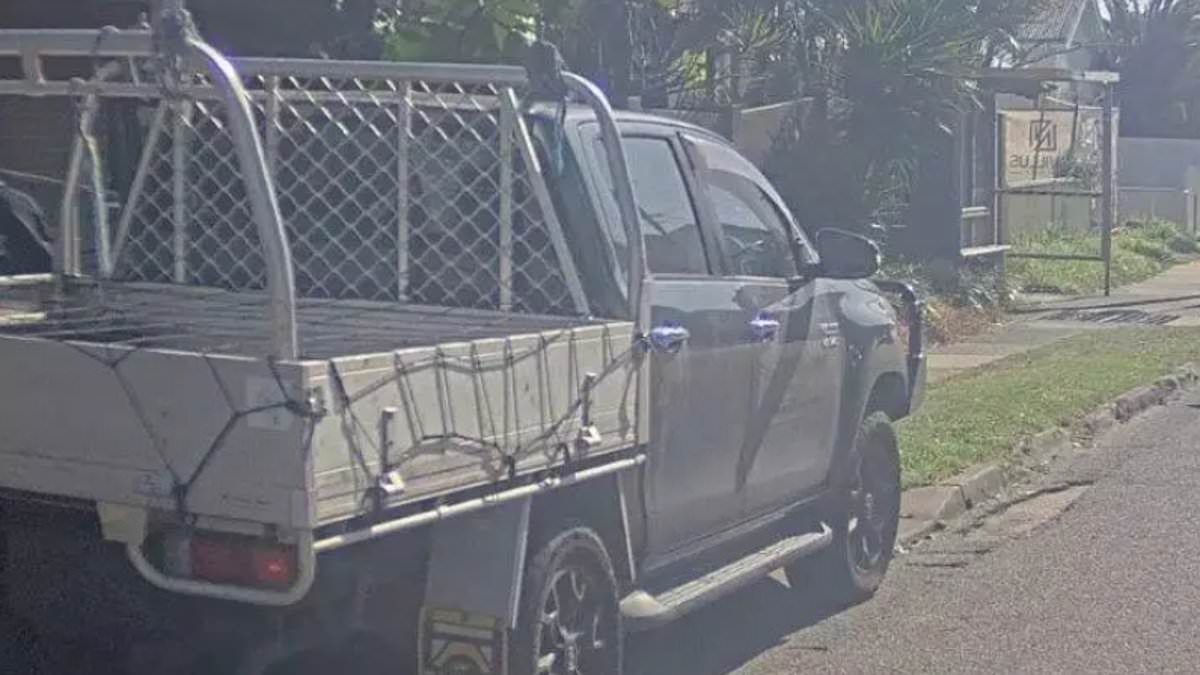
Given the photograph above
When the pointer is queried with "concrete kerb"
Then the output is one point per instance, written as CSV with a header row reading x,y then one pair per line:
x,y
924,510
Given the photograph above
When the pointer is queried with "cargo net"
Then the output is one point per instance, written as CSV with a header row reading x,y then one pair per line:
x,y
414,192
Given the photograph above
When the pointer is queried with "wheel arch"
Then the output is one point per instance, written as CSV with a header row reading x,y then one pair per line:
x,y
868,390
889,394
597,504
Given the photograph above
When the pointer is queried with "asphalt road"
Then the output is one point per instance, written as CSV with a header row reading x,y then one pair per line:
x,y
1096,571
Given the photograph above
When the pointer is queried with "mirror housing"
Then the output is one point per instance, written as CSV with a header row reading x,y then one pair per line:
x,y
845,255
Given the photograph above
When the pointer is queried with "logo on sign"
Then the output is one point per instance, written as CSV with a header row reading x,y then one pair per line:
x,y
1043,136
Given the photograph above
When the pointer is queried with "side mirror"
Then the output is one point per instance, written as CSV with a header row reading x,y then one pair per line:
x,y
845,255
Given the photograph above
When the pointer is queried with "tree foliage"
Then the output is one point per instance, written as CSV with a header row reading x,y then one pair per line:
x,y
1155,45
594,35
458,30
655,48
892,75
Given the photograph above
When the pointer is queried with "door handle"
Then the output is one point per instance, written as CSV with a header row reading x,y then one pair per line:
x,y
669,337
764,327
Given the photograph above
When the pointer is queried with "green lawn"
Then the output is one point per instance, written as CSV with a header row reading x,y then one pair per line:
x,y
1074,277
981,415
1138,253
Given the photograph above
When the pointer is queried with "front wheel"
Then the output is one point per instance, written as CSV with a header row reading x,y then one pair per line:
x,y
864,516
570,622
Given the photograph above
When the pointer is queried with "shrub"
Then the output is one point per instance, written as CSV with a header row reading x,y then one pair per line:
x,y
957,303
1140,250
1170,234
1154,249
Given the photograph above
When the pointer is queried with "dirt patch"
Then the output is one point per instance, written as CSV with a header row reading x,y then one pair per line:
x,y
946,323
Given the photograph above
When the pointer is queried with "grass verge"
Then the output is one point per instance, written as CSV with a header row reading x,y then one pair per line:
x,y
981,415
1140,251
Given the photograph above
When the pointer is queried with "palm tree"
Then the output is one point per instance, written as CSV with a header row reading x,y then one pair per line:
x,y
892,75
1154,44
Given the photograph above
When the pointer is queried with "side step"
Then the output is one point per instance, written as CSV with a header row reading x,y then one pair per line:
x,y
644,611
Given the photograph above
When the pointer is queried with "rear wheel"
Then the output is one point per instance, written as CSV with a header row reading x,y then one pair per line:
x,y
864,515
569,622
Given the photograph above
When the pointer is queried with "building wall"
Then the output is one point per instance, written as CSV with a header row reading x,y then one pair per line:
x,y
1160,163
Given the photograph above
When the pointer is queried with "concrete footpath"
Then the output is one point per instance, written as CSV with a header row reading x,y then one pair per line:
x,y
1171,298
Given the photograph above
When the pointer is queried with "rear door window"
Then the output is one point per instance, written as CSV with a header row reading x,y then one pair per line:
x,y
670,224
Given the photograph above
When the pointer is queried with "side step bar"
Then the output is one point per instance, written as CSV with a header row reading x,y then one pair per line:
x,y
642,610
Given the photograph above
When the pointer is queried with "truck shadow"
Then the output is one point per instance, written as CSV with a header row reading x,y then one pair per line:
x,y
720,638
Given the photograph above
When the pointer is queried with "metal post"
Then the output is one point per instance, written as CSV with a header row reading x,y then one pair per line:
x,y
611,138
1192,211
1107,189
264,205
507,128
403,131
83,150
271,123
179,214
69,213
999,176
99,195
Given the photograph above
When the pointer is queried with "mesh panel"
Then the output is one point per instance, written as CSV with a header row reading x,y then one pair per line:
x,y
148,253
389,190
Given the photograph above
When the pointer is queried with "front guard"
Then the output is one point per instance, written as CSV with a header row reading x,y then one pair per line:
x,y
912,324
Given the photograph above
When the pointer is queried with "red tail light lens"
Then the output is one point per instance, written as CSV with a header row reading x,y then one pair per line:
x,y
274,567
216,561
231,560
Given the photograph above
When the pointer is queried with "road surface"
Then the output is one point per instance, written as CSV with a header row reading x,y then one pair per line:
x,y
1097,572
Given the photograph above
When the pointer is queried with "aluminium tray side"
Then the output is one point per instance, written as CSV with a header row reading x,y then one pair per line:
x,y
461,415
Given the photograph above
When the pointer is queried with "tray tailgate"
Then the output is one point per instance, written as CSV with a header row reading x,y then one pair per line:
x,y
127,426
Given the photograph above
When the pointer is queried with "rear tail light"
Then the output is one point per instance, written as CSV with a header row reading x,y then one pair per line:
x,y
274,567
228,559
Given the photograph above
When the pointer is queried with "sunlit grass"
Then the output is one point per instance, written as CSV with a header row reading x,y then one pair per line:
x,y
1138,253
981,415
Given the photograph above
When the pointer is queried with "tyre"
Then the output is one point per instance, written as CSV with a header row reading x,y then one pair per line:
x,y
864,515
569,622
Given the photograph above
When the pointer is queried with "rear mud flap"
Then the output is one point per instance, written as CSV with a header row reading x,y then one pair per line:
x,y
459,643
471,593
